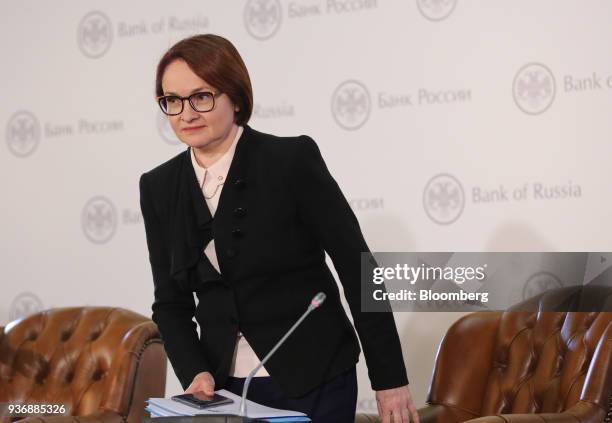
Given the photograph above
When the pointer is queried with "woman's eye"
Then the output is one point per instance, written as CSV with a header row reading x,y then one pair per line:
x,y
172,100
202,96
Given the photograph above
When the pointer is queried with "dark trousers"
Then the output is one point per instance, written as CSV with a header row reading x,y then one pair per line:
x,y
332,402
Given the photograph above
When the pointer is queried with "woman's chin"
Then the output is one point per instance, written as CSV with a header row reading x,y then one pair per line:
x,y
196,143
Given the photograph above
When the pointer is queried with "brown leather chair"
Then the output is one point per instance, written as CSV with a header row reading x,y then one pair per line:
x,y
523,366
101,362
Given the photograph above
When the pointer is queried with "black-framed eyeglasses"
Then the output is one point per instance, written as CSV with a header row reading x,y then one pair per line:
x,y
172,105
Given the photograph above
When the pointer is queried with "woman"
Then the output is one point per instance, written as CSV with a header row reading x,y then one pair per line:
x,y
243,219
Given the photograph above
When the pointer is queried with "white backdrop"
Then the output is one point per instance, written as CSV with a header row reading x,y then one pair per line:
x,y
451,125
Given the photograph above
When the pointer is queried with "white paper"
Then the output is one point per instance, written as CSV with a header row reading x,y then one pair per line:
x,y
254,410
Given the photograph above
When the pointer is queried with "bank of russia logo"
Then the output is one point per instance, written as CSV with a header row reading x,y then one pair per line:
x,y
95,34
436,10
262,18
165,130
443,199
22,133
539,283
25,304
534,88
99,220
351,105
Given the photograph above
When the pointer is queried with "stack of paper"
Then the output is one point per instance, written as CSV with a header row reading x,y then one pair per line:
x,y
164,407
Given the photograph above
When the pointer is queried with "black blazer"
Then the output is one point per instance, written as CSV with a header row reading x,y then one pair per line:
x,y
279,210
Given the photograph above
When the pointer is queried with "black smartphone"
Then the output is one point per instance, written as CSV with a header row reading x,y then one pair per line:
x,y
201,400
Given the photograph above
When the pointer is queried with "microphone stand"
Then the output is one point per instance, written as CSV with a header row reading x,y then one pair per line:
x,y
316,302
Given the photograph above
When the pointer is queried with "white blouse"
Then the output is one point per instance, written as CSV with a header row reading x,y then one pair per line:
x,y
211,180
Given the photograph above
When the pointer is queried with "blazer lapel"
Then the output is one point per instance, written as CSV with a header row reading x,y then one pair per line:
x,y
236,179
192,227
193,223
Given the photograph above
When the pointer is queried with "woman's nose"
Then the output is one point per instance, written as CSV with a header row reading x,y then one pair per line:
x,y
188,113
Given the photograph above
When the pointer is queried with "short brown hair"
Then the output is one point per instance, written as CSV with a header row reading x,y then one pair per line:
x,y
215,60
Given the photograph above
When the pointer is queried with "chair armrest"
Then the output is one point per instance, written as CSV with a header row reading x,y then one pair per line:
x,y
462,369
527,418
366,418
140,372
101,416
581,412
433,413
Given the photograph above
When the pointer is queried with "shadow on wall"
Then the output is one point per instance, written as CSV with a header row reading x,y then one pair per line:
x,y
517,236
386,232
421,334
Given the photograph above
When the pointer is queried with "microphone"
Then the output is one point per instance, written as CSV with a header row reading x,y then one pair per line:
x,y
314,303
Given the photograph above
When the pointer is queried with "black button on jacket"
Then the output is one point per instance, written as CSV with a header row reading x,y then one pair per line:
x,y
269,273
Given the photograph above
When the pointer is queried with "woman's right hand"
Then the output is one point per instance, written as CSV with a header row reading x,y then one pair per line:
x,y
204,382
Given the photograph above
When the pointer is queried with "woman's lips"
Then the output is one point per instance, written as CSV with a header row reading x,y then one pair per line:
x,y
193,129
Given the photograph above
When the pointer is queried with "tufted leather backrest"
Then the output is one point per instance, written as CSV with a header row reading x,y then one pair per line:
x,y
524,362
541,360
84,357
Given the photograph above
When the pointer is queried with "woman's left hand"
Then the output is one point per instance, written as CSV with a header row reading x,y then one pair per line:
x,y
395,405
